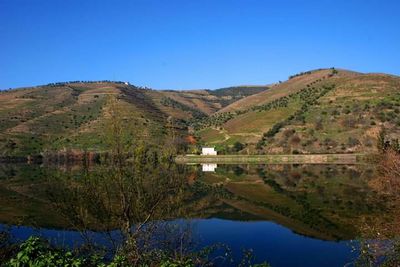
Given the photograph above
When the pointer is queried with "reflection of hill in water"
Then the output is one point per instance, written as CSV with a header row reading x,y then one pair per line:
x,y
323,201
327,202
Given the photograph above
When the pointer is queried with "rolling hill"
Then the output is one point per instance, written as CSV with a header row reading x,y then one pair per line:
x,y
319,111
75,115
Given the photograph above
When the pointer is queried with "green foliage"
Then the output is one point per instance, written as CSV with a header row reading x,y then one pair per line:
x,y
215,120
237,146
308,96
352,141
36,252
260,144
177,263
238,91
381,143
384,253
334,72
384,144
169,102
299,74
229,95
275,129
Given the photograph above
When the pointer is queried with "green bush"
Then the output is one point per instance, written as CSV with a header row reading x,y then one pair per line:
x,y
238,146
37,252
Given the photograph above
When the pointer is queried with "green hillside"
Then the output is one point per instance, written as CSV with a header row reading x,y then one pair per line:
x,y
75,115
320,111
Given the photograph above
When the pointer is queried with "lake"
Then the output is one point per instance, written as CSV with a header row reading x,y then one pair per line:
x,y
288,215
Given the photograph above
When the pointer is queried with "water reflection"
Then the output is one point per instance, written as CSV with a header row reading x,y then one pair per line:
x,y
322,202
208,167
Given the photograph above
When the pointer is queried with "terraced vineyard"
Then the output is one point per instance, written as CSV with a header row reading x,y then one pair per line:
x,y
76,115
321,111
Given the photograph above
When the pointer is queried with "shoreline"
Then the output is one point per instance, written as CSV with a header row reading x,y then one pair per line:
x,y
275,159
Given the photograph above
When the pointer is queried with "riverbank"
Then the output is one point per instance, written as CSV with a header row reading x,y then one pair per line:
x,y
65,156
275,159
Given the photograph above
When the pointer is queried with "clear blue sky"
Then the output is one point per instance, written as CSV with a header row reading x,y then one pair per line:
x,y
193,44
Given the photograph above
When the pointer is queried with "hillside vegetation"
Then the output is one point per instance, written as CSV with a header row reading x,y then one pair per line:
x,y
320,111
76,115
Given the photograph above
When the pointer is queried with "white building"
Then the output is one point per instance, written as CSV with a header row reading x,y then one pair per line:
x,y
209,167
210,151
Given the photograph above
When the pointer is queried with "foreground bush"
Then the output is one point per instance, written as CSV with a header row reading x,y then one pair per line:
x,y
37,252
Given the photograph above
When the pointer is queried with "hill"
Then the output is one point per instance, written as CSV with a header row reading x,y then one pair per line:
x,y
321,111
211,101
75,115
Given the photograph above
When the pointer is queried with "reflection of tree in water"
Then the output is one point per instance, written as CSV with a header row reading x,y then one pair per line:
x,y
133,199
238,171
380,239
130,196
136,207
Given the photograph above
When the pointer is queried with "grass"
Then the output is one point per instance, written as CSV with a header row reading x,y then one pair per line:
x,y
212,135
258,121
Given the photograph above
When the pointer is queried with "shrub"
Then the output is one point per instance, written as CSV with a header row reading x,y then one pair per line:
x,y
335,112
389,168
349,122
295,140
275,129
329,142
36,252
353,141
368,142
288,132
318,124
238,146
260,144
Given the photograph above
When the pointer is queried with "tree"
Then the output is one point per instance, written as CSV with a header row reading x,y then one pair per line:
x,y
395,145
238,146
352,141
260,144
381,140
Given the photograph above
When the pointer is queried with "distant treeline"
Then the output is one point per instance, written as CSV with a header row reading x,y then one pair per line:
x,y
334,71
72,82
92,82
238,91
299,74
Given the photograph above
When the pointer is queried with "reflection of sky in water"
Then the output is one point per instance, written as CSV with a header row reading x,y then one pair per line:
x,y
275,243
339,190
269,242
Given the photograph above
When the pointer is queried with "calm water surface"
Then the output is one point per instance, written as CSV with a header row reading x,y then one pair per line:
x,y
288,215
